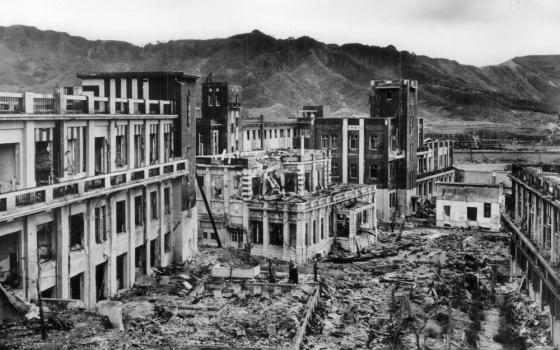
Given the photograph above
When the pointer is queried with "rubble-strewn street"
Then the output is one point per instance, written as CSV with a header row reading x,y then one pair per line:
x,y
447,284
416,291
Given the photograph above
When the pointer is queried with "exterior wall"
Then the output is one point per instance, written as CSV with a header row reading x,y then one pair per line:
x,y
458,215
267,137
90,173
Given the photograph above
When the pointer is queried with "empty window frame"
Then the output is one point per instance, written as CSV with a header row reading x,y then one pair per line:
x,y
167,200
353,141
472,213
373,139
256,231
100,224
487,210
373,171
353,170
324,141
446,211
154,205
275,233
139,210
121,216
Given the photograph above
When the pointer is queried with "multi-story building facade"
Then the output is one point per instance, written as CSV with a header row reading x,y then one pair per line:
x,y
535,245
218,128
282,204
96,183
435,164
386,148
222,126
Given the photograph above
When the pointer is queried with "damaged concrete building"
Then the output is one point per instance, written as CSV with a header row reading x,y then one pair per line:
x,y
535,225
386,148
461,204
223,128
282,204
96,183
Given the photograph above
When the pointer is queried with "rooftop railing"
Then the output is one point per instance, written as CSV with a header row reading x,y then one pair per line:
x,y
33,103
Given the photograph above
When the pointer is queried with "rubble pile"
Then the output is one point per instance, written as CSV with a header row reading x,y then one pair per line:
x,y
180,305
439,280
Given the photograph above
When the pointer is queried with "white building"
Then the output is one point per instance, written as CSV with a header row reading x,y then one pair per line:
x,y
460,204
96,184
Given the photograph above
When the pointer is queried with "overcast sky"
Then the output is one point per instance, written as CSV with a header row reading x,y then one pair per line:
x,y
478,32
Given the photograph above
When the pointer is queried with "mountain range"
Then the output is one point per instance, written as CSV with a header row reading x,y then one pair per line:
x,y
281,75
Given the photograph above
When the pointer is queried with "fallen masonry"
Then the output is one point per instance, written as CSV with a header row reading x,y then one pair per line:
x,y
424,289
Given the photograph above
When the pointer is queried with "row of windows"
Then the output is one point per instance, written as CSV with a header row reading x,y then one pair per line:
x,y
331,142
257,133
472,212
353,170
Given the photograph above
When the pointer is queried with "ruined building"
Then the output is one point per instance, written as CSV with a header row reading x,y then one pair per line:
x,y
96,183
222,126
383,148
535,245
282,204
461,204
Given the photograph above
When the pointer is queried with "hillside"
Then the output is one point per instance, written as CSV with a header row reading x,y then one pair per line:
x,y
279,76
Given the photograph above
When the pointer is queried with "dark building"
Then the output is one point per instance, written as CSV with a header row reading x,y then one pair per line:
x,y
218,129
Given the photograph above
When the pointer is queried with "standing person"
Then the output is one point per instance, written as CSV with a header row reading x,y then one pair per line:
x,y
315,269
296,277
291,271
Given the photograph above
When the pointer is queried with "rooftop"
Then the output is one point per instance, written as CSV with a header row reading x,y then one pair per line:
x,y
147,74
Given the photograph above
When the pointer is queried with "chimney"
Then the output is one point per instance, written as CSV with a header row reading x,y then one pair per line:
x,y
493,177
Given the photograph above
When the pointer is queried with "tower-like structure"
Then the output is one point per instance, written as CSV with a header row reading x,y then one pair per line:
x,y
218,129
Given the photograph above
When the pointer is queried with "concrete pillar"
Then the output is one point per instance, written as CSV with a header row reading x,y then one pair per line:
x,y
112,261
31,269
28,102
90,148
134,86
123,88
90,287
162,229
112,144
63,251
147,144
161,150
265,229
344,150
27,171
361,151
131,232
130,156
64,146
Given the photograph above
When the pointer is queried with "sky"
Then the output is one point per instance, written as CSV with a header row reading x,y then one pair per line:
x,y
477,32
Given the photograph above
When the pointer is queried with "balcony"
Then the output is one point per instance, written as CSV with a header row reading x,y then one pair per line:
x,y
24,202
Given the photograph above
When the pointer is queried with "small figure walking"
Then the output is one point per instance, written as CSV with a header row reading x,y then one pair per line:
x,y
271,272
315,269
